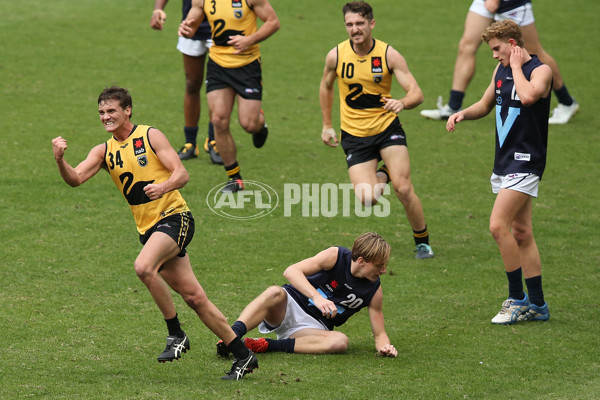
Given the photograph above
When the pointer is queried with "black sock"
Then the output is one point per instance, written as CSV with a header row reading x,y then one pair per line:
x,y
174,327
456,99
238,348
239,328
515,284
190,134
233,171
421,236
534,288
211,132
286,345
563,96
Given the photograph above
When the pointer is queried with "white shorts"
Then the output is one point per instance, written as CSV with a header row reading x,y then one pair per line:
x,y
522,15
295,319
194,48
521,182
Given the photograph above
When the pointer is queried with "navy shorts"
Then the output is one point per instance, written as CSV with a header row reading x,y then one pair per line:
x,y
362,149
180,227
245,81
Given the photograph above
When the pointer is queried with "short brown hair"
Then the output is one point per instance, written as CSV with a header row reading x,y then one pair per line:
x,y
504,29
372,248
361,8
116,93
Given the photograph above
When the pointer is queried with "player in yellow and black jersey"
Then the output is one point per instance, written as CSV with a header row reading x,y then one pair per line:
x,y
234,70
148,172
371,130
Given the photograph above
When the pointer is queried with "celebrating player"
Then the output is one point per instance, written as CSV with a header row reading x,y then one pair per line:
x,y
148,172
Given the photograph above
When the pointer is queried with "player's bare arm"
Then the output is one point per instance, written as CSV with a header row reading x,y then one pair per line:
x,y
85,170
158,18
265,12
296,274
477,110
414,95
539,85
382,341
195,16
169,158
328,134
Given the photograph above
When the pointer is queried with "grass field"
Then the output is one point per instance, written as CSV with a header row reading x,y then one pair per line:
x,y
77,322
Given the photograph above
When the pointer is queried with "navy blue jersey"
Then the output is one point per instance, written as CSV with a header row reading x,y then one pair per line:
x,y
507,5
521,132
349,293
203,32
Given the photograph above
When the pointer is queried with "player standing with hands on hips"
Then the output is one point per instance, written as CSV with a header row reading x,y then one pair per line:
x,y
520,93
371,130
148,172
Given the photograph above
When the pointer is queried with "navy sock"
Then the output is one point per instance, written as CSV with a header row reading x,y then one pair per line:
x,y
515,284
190,134
174,327
456,99
211,132
283,345
239,328
563,96
534,288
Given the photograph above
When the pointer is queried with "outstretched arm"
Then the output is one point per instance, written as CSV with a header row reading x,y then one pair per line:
x,y
85,170
477,110
382,341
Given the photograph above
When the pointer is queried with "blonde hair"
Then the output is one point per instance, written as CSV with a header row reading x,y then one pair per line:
x,y
504,29
372,248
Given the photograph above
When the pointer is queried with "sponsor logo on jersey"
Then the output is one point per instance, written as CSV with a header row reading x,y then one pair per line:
x,y
522,156
138,146
236,3
396,137
125,145
376,65
238,14
377,78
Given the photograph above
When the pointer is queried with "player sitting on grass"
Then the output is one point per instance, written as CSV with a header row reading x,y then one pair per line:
x,y
324,291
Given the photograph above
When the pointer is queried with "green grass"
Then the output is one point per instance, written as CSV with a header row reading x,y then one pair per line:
x,y
76,321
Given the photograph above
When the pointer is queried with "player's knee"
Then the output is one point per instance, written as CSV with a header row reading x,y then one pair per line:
x,y
143,270
220,122
522,236
195,300
404,191
497,229
338,343
193,85
250,125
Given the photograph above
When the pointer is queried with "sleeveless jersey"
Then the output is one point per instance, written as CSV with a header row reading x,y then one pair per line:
x,y
349,293
362,81
521,132
132,164
229,18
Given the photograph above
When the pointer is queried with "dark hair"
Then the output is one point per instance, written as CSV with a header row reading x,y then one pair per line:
x,y
361,8
372,248
116,93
